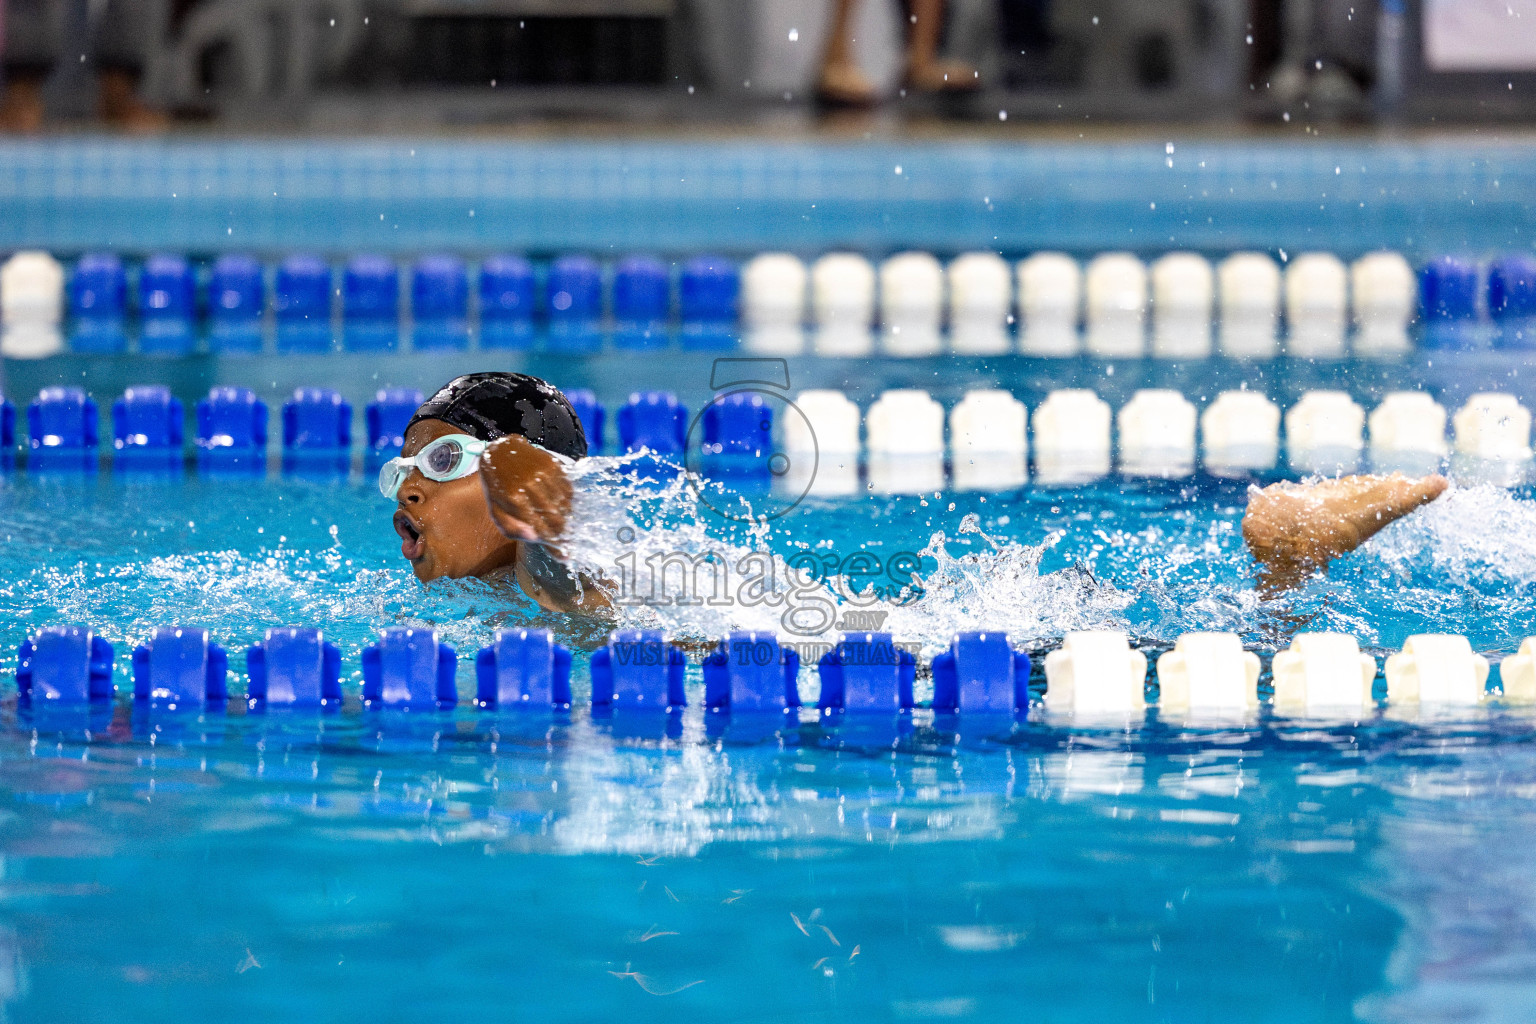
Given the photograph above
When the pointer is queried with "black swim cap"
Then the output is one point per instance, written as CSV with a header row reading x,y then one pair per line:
x,y
492,405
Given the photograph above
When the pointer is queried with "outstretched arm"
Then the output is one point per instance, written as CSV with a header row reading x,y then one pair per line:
x,y
529,497
1294,530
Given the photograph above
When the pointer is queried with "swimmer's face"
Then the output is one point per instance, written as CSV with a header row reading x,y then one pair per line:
x,y
445,528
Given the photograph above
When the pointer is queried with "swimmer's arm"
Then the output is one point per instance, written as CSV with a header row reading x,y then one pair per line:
x,y
529,497
547,580
1294,530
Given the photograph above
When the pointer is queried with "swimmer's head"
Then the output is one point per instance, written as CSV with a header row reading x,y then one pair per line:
x,y
445,525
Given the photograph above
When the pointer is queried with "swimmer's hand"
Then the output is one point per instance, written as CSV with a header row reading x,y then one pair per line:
x,y
528,493
529,497
1294,530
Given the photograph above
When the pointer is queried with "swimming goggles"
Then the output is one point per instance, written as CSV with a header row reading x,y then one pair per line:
x,y
447,458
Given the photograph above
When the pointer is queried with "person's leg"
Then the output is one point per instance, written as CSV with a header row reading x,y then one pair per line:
x,y
925,27
30,44
840,80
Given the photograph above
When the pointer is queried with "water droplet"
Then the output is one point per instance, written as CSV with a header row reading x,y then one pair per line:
x,y
794,35
1002,115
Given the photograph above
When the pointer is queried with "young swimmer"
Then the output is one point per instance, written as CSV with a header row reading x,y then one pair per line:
x,y
481,492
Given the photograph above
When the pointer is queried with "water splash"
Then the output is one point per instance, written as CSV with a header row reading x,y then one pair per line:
x,y
677,566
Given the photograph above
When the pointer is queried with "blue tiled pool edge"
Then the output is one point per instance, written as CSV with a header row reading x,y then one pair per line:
x,y
407,195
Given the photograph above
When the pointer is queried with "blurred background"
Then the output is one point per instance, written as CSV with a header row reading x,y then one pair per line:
x,y
389,66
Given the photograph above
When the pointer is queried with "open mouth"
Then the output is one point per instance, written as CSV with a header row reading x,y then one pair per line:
x,y
412,544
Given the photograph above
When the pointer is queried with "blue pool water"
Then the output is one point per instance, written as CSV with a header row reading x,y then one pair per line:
x,y
367,864
225,865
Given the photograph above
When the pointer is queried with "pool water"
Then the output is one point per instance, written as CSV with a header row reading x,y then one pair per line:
x,y
365,864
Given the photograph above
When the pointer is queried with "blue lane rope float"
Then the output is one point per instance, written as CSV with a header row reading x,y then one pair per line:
x,y
981,674
7,434
301,304
573,303
592,415
642,303
370,304
317,433
752,676
181,666
409,667
62,429
65,665
507,298
237,304
231,433
1462,302
638,670
98,304
751,672
867,672
147,427
523,668
293,667
709,289
439,304
386,418
1512,300
167,306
